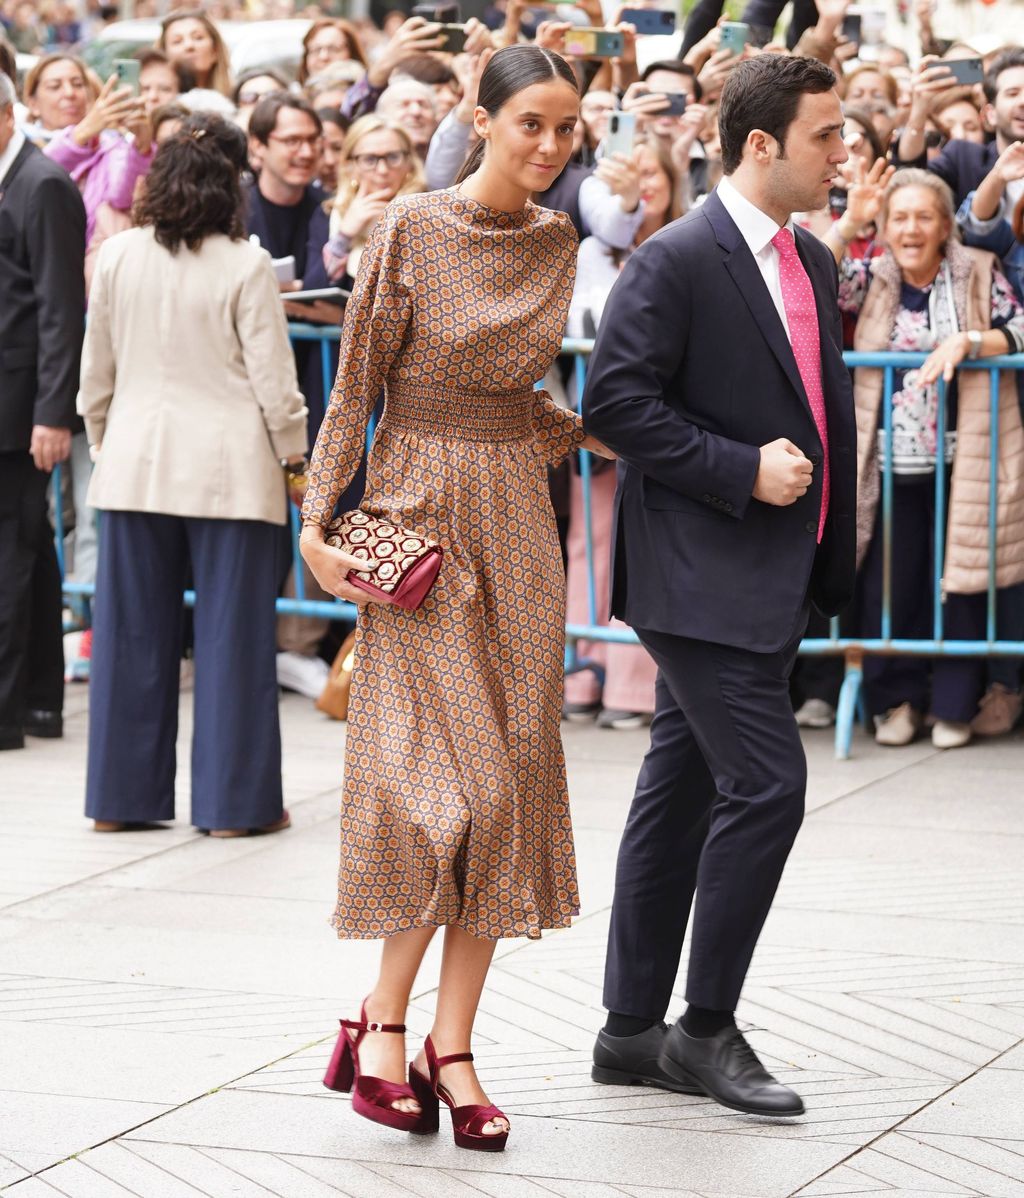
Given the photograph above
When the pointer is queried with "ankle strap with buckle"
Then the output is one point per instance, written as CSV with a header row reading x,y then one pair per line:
x,y
366,1025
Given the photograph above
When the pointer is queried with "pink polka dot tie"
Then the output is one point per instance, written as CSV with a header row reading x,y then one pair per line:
x,y
802,316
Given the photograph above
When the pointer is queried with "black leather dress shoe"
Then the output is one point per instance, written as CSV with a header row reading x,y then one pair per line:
x,y
47,724
726,1068
11,738
633,1061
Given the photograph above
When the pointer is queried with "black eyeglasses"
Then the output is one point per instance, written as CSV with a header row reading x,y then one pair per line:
x,y
370,162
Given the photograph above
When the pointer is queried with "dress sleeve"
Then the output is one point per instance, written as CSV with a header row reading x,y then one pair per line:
x,y
376,319
854,281
558,431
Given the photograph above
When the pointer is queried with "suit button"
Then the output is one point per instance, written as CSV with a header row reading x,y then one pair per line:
x,y
811,526
706,498
815,459
727,506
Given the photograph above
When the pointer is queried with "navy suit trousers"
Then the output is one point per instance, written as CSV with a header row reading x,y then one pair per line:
x,y
137,645
718,804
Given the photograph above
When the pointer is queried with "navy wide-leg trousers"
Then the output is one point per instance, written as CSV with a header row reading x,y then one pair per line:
x,y
133,688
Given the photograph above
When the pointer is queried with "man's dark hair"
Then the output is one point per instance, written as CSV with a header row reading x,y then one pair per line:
x,y
151,54
1014,57
424,69
258,73
764,93
677,68
193,188
263,120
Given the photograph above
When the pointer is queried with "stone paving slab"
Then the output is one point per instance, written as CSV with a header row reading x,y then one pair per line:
x,y
168,1002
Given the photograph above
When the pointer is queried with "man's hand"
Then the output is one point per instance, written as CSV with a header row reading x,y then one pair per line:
x,y
715,72
784,474
691,124
415,37
49,446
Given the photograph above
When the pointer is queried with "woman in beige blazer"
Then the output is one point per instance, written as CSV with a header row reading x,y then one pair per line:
x,y
191,406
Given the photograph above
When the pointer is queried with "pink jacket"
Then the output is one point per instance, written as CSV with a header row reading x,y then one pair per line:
x,y
106,171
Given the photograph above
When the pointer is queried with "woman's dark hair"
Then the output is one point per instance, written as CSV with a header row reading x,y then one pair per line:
x,y
334,116
193,188
8,59
764,93
509,72
863,119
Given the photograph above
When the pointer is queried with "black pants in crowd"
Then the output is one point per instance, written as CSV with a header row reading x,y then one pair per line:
x,y
718,804
957,683
761,15
31,641
137,642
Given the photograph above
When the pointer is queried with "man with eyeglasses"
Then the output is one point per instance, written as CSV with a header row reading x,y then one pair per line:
x,y
285,213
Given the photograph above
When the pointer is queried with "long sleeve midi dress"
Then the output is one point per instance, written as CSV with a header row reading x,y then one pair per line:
x,y
455,807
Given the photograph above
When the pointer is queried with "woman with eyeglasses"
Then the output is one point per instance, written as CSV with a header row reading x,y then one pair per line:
x,y
329,40
378,162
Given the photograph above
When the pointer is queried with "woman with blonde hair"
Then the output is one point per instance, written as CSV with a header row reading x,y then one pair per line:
x,y
377,163
189,37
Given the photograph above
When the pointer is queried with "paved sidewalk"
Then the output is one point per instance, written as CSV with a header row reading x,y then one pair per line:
x,y
168,1002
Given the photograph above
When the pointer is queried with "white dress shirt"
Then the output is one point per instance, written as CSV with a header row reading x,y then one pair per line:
x,y
8,156
757,229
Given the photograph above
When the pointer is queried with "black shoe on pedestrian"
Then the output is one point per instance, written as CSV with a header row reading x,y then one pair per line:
x,y
11,738
633,1061
47,724
726,1068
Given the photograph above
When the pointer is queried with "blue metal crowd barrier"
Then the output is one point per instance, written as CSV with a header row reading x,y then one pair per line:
x,y
852,649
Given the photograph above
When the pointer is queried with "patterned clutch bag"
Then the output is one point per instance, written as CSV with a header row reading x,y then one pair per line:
x,y
407,564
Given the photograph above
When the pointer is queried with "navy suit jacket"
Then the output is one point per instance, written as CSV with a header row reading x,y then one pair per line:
x,y
963,165
691,373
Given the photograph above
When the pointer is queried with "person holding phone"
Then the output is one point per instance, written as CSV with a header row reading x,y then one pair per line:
x,y
735,512
455,812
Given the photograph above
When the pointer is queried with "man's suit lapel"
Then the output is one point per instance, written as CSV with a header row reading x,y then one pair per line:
x,y
739,262
23,155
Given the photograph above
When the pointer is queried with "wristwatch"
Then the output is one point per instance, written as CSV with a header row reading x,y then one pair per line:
x,y
974,341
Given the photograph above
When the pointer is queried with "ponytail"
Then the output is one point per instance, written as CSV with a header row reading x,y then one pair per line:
x,y
472,163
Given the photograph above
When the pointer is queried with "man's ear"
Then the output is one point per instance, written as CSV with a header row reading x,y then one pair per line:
x,y
761,146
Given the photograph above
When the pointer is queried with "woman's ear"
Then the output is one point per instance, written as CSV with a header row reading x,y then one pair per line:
x,y
482,123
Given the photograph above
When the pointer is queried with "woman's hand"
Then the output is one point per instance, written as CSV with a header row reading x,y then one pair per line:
x,y
864,196
622,178
944,359
363,211
331,567
592,445
111,108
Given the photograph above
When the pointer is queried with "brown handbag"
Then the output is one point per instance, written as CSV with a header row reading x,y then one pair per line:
x,y
333,699
406,563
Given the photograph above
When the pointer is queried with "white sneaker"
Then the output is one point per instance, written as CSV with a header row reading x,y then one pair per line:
x,y
816,713
307,675
949,735
899,726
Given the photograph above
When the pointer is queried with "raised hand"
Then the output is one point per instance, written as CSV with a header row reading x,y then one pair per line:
x,y
1010,163
113,107
622,175
865,194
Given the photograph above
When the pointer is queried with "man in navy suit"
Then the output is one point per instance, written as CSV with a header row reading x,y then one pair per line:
x,y
718,380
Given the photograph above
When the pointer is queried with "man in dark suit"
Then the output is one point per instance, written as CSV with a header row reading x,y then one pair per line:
x,y
42,314
718,380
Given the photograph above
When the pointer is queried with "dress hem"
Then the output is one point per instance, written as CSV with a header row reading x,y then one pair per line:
x,y
530,932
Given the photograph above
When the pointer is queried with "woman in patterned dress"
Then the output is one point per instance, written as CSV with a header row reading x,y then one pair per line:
x,y
455,810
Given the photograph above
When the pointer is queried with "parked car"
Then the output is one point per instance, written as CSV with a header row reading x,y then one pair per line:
x,y
253,45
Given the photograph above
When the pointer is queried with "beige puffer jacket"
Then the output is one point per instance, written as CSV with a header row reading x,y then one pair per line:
x,y
966,566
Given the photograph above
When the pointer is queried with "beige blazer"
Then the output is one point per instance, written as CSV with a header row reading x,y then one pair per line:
x,y
188,386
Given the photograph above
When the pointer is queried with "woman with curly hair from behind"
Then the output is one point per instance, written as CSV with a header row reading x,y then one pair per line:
x,y
191,407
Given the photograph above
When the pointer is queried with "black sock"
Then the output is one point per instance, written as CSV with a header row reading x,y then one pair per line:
x,y
702,1021
627,1025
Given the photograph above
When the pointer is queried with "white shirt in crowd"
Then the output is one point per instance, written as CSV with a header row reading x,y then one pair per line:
x,y
8,156
757,229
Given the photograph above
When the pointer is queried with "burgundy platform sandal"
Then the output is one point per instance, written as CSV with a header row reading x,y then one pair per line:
x,y
372,1097
468,1122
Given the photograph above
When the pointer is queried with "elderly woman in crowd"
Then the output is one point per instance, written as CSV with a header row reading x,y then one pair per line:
x,y
929,294
191,405
378,162
189,37
626,699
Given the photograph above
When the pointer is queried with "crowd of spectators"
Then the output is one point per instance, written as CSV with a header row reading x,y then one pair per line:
x,y
367,111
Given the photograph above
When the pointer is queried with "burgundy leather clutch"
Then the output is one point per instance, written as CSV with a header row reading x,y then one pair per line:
x,y
406,563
